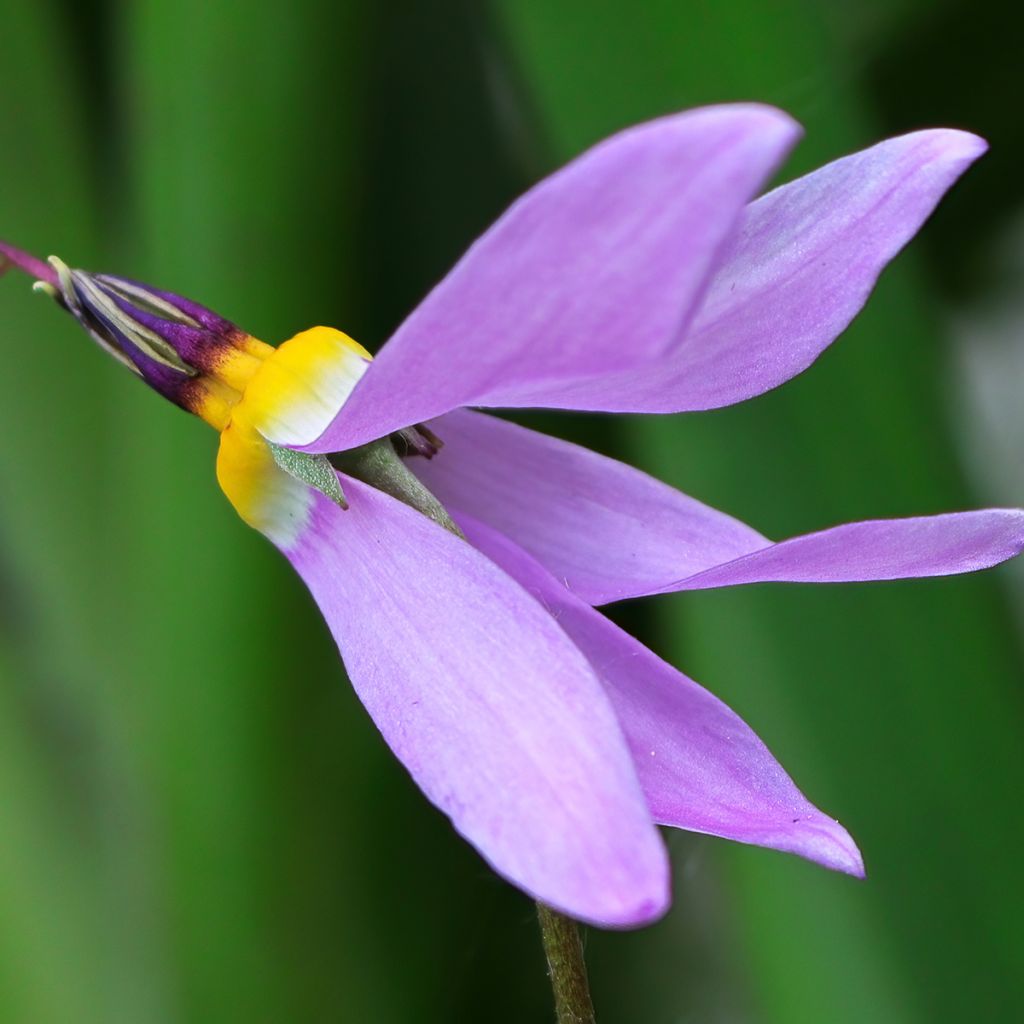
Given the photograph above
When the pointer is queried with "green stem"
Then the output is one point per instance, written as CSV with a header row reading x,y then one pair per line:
x,y
379,465
566,967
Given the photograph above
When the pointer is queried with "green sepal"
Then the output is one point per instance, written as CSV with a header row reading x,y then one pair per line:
x,y
313,470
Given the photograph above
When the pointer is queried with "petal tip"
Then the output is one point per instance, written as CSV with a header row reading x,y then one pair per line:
x,y
637,898
827,843
752,125
954,145
850,862
1012,540
965,147
645,912
637,911
773,117
770,124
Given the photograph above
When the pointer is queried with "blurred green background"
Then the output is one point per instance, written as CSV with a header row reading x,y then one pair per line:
x,y
198,823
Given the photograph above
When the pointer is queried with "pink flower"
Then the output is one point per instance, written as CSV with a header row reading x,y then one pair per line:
x,y
642,277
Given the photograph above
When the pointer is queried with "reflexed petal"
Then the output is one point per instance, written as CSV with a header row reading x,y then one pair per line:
x,y
608,531
493,710
806,259
878,549
700,765
804,262
596,269
604,528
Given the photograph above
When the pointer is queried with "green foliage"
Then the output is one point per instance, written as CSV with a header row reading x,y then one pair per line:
x,y
199,822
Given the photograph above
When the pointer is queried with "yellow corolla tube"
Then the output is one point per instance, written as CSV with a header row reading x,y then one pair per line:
x,y
289,399
302,384
265,402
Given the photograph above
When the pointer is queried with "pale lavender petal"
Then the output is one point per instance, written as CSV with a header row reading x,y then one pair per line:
x,y
607,530
878,549
701,767
596,269
805,260
488,704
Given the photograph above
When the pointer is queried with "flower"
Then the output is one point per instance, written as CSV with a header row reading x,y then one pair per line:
x,y
642,277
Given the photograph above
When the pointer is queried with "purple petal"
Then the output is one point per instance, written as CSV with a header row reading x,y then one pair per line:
x,y
878,549
595,270
204,317
700,765
606,529
493,710
805,260
610,532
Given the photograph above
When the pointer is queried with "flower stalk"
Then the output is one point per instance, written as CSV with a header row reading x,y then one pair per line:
x,y
567,968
